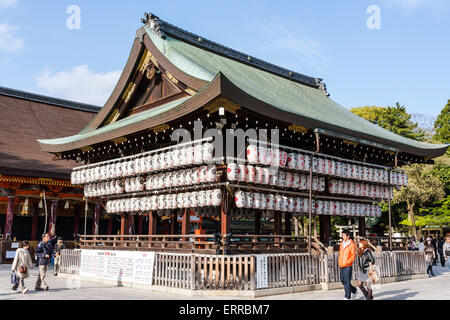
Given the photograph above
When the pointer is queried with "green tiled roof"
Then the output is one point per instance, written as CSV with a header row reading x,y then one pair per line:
x,y
118,124
272,89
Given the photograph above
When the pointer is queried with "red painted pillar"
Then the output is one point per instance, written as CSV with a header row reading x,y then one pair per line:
x,y
34,223
152,220
52,218
224,221
96,220
110,225
123,225
186,222
140,221
9,218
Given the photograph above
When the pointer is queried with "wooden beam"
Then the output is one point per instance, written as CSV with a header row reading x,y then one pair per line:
x,y
224,221
123,225
152,223
186,222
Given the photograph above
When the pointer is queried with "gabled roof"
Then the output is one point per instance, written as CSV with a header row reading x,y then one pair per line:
x,y
48,100
247,81
26,117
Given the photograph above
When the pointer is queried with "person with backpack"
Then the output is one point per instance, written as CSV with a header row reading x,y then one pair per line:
x,y
44,251
430,255
21,265
346,258
365,259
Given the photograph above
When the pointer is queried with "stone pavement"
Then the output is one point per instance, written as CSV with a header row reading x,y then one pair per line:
x,y
437,288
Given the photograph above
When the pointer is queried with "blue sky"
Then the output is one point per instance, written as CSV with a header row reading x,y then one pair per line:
x,y
407,60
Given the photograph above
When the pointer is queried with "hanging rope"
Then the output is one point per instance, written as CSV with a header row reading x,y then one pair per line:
x,y
45,206
86,208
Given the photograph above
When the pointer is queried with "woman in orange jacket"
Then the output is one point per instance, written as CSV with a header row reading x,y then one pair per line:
x,y
347,255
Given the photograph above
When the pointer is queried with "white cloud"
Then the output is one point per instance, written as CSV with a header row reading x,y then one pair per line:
x,y
284,39
9,42
79,84
8,3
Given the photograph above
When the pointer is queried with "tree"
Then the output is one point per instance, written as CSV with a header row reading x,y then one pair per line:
x,y
394,119
438,214
423,187
442,125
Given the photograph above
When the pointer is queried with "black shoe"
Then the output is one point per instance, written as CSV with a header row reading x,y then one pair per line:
x,y
38,289
46,288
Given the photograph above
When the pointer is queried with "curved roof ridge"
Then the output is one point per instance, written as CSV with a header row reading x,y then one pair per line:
x,y
163,29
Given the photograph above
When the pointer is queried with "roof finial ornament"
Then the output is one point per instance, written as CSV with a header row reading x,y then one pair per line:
x,y
154,23
322,86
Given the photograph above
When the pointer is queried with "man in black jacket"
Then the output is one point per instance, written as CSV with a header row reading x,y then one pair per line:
x,y
440,246
44,252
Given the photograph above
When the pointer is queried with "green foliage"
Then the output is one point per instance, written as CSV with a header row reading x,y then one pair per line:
x,y
441,170
422,187
394,119
442,125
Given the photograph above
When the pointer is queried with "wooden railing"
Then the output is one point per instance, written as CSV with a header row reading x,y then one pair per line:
x,y
207,244
159,243
238,272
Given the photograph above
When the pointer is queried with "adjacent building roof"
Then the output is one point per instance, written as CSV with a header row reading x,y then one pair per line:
x,y
26,117
250,82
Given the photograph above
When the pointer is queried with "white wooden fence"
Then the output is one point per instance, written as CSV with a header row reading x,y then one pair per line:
x,y
238,272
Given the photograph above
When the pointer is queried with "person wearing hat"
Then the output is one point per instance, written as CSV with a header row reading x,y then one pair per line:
x,y
57,254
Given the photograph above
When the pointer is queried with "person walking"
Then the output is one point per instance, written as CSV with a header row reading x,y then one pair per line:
x,y
421,245
440,248
21,265
434,244
430,255
365,259
44,252
57,254
446,250
346,258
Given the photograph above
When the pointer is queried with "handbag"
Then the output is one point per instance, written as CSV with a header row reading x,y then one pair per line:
x,y
14,278
373,275
23,269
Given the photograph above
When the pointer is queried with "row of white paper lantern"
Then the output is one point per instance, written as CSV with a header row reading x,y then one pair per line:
x,y
186,177
178,157
300,161
273,177
359,189
205,198
260,201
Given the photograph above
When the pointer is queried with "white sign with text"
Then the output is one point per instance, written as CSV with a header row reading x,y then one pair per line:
x,y
127,266
262,277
